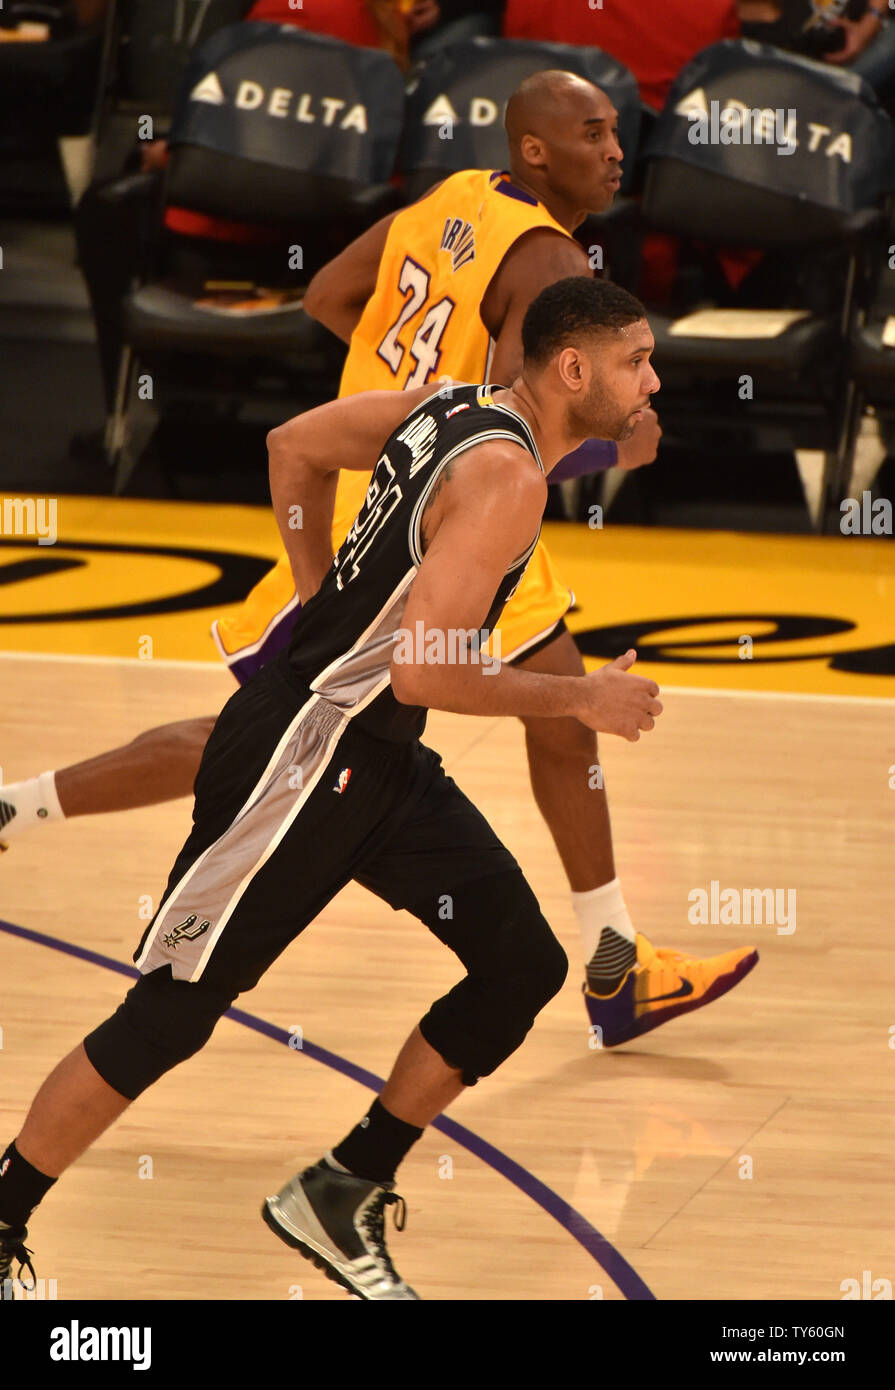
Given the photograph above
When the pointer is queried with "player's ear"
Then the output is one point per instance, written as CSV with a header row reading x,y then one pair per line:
x,y
531,147
572,368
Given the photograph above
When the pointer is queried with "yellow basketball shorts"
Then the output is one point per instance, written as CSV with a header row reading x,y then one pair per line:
x,y
262,625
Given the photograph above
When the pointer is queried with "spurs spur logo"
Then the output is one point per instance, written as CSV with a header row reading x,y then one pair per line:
x,y
187,930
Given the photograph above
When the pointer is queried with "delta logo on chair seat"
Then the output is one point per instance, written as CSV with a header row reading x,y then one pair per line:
x,y
734,122
481,111
284,103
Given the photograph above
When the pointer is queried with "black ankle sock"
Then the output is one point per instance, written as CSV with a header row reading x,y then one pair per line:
x,y
376,1146
21,1187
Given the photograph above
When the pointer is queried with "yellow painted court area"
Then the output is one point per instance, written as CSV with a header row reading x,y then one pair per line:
x,y
122,571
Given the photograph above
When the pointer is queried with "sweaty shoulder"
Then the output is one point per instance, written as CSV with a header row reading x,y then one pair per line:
x,y
537,259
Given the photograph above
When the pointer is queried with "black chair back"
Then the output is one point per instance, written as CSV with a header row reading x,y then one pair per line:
x,y
273,124
761,148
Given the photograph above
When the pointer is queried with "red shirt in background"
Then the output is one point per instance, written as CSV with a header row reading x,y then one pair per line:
x,y
349,20
654,38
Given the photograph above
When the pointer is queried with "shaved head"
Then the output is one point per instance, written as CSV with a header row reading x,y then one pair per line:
x,y
562,133
545,103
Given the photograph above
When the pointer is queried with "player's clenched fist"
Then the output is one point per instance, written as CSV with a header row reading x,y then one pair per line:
x,y
615,702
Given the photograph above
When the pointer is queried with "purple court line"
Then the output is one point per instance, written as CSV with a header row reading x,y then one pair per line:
x,y
626,1279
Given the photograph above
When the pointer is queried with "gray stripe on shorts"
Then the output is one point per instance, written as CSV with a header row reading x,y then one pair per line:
x,y
192,917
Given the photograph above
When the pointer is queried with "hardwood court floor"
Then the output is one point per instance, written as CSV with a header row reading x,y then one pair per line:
x,y
793,1071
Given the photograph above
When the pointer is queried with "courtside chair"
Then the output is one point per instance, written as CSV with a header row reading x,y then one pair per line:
x,y
286,130
872,362
764,367
149,47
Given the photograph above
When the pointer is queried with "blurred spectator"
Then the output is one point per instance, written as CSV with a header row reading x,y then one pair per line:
x,y
856,33
654,38
434,24
91,11
367,23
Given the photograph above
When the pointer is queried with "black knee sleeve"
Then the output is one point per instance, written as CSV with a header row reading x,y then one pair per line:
x,y
515,966
161,1022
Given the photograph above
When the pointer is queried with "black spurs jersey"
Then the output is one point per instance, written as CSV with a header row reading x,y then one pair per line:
x,y
344,637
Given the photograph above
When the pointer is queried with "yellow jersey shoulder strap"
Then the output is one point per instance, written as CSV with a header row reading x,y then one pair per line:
x,y
482,214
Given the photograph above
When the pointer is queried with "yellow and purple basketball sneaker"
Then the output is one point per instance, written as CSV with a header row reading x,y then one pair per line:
x,y
662,985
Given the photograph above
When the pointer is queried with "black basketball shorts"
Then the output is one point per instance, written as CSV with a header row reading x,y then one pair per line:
x,y
293,801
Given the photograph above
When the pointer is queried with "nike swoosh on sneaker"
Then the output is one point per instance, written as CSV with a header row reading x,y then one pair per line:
x,y
685,989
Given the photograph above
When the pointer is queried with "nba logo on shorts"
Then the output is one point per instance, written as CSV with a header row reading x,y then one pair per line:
x,y
343,780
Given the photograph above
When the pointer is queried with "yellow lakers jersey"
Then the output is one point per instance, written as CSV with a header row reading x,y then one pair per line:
x,y
422,322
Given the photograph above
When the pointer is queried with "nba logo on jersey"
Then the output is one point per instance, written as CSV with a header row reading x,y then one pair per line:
x,y
342,783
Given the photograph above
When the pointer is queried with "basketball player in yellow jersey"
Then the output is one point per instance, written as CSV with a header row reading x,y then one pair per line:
x,y
421,323
435,293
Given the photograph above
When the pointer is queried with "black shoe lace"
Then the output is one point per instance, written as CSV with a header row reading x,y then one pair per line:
x,y
373,1222
12,1248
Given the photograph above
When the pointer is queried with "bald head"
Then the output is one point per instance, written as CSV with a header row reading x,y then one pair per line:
x,y
546,102
562,133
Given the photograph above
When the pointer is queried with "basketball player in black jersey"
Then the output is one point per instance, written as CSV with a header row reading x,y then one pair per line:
x,y
315,775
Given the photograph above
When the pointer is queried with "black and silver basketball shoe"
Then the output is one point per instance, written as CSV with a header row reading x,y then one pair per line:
x,y
338,1222
12,1248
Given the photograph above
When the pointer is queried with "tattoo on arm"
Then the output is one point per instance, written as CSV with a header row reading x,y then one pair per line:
x,y
426,523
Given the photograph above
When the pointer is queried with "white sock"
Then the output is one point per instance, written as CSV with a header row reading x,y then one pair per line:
x,y
26,804
596,910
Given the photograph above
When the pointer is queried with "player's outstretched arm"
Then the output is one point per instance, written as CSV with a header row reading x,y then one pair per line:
x,y
483,517
305,456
